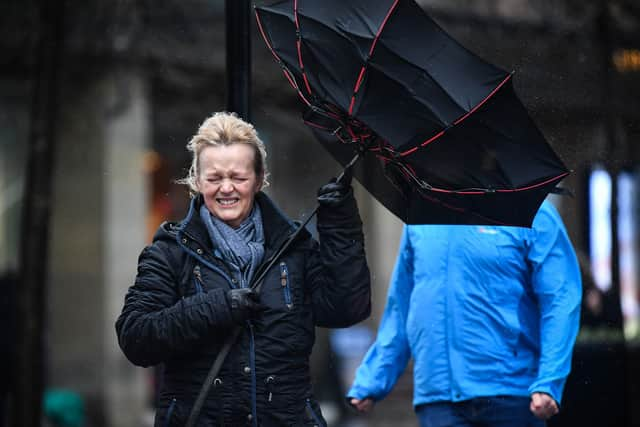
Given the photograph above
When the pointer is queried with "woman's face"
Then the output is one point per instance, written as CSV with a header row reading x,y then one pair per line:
x,y
228,181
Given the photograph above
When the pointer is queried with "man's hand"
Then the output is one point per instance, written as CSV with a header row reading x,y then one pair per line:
x,y
365,405
543,406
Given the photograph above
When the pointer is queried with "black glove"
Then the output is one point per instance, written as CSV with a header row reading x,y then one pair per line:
x,y
244,304
335,193
338,207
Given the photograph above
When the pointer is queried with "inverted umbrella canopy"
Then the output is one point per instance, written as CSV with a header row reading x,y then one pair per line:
x,y
444,137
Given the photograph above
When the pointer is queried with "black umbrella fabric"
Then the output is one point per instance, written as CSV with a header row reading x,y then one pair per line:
x,y
444,137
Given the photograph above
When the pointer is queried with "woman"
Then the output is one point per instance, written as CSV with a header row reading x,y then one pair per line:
x,y
192,289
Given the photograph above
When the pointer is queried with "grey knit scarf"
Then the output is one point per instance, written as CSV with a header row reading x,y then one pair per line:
x,y
242,248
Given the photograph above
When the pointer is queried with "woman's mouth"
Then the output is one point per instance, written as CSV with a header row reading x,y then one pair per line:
x,y
227,201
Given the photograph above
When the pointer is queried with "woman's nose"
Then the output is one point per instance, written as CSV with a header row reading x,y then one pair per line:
x,y
226,186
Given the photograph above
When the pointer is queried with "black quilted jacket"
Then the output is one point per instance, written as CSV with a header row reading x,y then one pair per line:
x,y
176,314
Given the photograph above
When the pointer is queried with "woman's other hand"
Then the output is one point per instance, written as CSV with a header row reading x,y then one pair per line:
x,y
244,303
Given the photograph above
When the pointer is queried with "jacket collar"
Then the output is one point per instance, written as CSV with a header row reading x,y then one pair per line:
x,y
277,226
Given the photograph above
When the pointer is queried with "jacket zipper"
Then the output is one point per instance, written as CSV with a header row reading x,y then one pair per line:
x,y
252,364
225,274
284,282
197,279
269,386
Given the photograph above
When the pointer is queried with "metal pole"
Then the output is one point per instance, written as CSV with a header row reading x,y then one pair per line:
x,y
30,360
613,156
238,55
617,367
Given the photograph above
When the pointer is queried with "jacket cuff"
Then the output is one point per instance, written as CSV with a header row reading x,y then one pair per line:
x,y
552,388
220,310
358,392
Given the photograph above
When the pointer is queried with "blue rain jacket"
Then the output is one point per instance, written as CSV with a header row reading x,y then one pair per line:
x,y
482,310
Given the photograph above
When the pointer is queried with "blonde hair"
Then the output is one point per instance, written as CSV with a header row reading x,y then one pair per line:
x,y
224,128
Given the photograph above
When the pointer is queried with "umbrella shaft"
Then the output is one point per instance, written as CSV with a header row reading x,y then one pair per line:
x,y
347,167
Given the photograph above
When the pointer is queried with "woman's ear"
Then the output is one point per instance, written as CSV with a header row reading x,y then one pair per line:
x,y
259,182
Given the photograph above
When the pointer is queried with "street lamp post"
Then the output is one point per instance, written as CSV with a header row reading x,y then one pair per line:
x,y
238,56
30,295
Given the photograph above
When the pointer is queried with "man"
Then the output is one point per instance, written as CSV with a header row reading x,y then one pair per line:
x,y
489,314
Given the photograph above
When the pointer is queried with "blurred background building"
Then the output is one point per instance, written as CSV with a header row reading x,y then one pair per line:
x,y
115,90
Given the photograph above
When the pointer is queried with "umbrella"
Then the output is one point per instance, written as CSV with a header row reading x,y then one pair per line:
x,y
442,134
